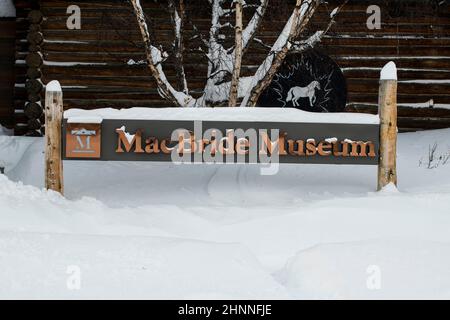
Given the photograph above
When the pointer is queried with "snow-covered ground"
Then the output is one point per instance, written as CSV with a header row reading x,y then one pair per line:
x,y
147,230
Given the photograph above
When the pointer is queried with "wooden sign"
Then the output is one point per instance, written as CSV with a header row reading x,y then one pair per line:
x,y
154,140
230,134
310,81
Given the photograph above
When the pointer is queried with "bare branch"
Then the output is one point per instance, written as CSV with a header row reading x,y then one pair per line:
x,y
303,11
260,42
254,23
215,48
318,35
154,58
178,18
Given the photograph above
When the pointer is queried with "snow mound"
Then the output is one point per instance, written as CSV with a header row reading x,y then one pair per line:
x,y
389,189
7,9
157,230
43,235
12,150
5,131
128,268
376,269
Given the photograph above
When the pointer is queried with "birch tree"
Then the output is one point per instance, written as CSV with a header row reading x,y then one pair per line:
x,y
225,62
237,57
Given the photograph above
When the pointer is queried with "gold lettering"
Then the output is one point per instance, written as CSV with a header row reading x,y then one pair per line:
x,y
300,147
363,147
151,145
241,146
228,141
311,149
344,152
122,139
268,145
324,148
164,148
186,144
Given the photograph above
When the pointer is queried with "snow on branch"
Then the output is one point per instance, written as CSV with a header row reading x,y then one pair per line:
x,y
178,14
253,25
300,46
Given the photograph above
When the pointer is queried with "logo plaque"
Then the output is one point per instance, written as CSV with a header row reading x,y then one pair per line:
x,y
83,140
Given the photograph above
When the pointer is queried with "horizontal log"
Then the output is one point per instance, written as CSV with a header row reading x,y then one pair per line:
x,y
363,97
35,37
34,59
34,73
122,47
34,28
33,110
353,8
116,103
99,24
33,86
35,16
34,124
403,111
405,74
424,123
34,97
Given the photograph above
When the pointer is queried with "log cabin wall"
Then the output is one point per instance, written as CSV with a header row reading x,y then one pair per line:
x,y
7,50
99,65
28,115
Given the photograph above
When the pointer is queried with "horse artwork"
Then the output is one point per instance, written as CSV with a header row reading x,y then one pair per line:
x,y
296,93
310,81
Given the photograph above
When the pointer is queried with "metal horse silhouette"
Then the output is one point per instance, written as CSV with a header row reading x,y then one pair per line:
x,y
295,93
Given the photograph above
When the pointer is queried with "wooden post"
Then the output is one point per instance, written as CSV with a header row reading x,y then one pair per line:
x,y
53,122
387,110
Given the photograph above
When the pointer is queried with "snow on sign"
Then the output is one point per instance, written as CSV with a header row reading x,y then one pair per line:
x,y
250,137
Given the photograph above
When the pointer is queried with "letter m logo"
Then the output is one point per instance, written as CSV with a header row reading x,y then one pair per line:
x,y
83,141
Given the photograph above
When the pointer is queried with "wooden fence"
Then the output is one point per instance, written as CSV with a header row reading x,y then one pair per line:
x,y
95,64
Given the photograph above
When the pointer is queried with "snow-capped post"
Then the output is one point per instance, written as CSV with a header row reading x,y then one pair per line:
x,y
387,110
53,142
232,101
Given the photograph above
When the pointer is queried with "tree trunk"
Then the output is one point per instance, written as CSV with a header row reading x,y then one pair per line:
x,y
299,21
178,18
234,87
162,85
